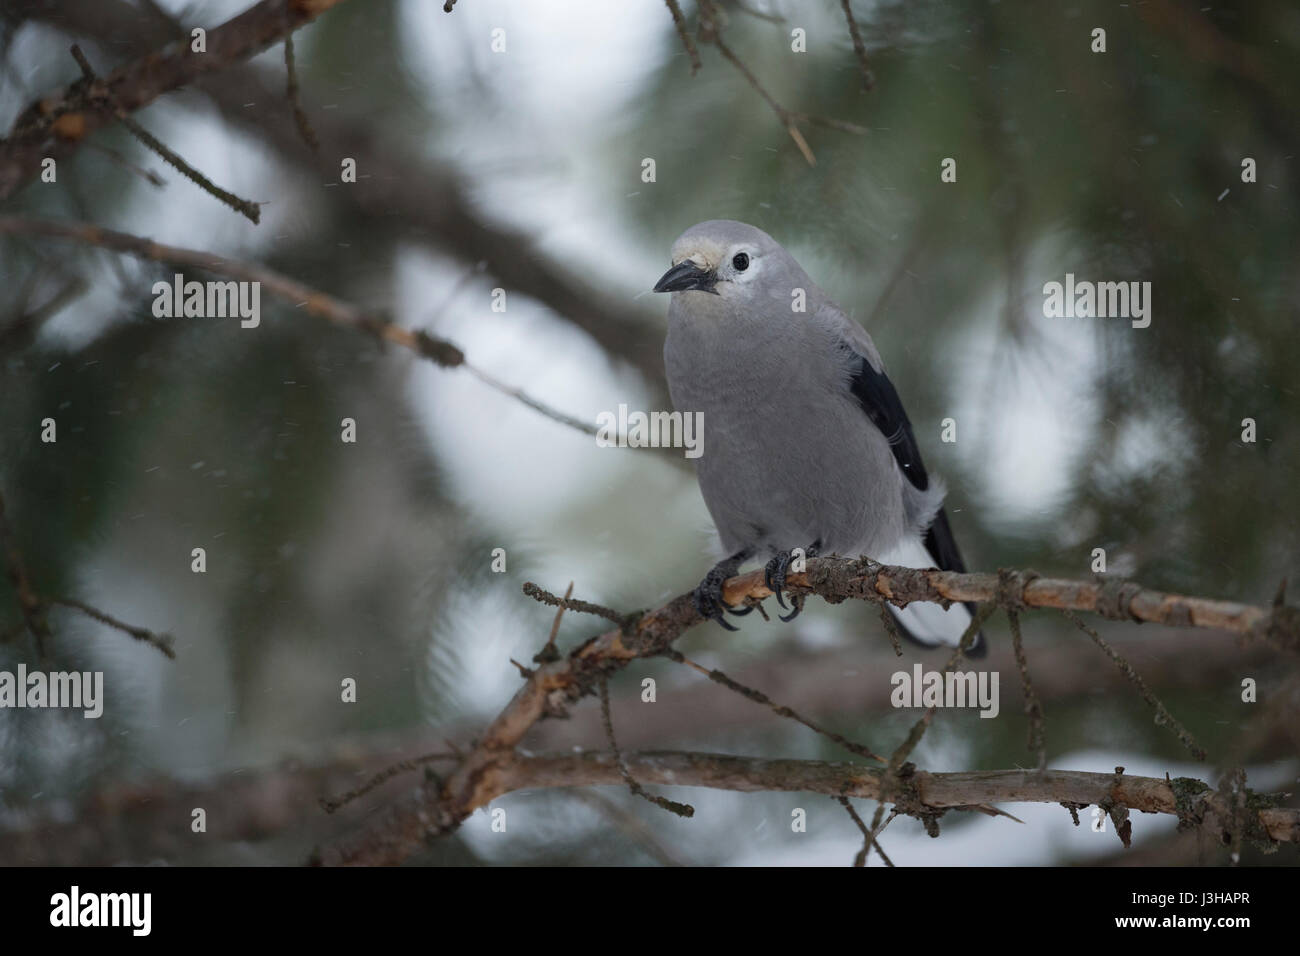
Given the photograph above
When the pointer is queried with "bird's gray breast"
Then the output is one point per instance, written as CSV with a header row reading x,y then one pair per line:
x,y
789,457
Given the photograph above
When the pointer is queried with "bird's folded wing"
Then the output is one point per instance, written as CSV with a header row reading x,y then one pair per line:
x,y
879,399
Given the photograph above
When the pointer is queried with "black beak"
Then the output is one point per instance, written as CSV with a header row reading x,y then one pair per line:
x,y
687,276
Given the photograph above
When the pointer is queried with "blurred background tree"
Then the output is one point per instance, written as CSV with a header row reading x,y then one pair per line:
x,y
521,170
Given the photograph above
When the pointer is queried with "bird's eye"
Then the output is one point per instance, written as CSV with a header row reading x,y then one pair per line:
x,y
740,261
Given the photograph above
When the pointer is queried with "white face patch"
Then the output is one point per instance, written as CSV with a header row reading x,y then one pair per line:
x,y
703,252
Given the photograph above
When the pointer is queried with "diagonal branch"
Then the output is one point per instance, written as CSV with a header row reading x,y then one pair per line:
x,y
314,302
679,22
711,32
35,607
859,48
58,123
96,92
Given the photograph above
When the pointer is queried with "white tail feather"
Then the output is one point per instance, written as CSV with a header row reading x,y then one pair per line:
x,y
929,623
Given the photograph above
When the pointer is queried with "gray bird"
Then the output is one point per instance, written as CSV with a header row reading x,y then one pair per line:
x,y
806,444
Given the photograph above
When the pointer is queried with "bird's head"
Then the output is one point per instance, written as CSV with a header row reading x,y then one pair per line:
x,y
724,258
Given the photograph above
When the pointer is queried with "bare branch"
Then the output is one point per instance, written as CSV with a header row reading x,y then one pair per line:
x,y
859,48
839,578
1033,707
96,91
758,697
679,21
1163,717
546,691
542,596
381,778
548,651
711,30
291,93
407,198
680,809
59,122
314,302
35,607
148,175
1192,801
163,642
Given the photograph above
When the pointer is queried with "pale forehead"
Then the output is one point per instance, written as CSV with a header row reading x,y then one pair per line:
x,y
712,241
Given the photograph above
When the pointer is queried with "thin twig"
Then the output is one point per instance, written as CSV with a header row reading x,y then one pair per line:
x,y
383,776
555,626
299,114
785,116
781,711
681,809
60,121
891,628
859,48
630,824
35,606
1033,707
312,301
679,21
249,210
543,596
164,642
893,775
1163,717
148,175
869,837
711,28
918,730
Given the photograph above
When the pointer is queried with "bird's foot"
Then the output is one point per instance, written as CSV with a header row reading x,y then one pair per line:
x,y
774,577
708,596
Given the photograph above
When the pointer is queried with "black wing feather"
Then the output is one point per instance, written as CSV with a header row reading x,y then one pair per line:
x,y
879,399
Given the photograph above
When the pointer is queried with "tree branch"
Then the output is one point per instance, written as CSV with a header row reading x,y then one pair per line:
x,y
313,301
56,124
405,198
948,791
1192,801
434,810
35,607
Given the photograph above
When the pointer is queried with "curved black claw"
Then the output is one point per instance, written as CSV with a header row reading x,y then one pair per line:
x,y
738,613
774,576
708,600
797,601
